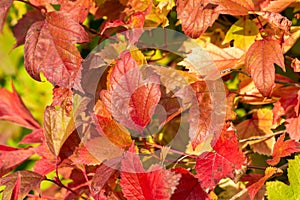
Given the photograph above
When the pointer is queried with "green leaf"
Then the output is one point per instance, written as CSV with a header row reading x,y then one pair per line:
x,y
243,32
277,190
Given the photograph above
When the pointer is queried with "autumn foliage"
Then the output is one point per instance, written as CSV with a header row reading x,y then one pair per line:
x,y
210,110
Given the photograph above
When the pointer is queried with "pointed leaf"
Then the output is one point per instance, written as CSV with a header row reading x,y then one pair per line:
x,y
58,126
282,149
196,16
254,188
13,109
4,8
189,187
157,183
260,60
12,157
49,48
20,183
211,167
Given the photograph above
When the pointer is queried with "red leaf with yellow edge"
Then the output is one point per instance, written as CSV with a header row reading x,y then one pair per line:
x,y
155,184
12,157
283,148
260,60
189,187
259,125
4,8
211,167
253,189
196,16
13,109
50,48
20,183
233,7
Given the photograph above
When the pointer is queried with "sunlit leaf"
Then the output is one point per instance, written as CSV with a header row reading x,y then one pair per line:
x,y
50,48
282,149
260,60
196,16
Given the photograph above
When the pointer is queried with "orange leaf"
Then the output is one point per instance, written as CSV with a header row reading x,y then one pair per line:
x,y
196,16
259,125
283,148
253,189
233,7
260,60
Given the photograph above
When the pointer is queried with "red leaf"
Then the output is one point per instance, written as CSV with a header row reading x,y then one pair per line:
x,y
11,157
143,101
78,9
23,25
188,188
13,109
276,6
293,127
4,8
112,9
253,189
103,174
200,117
233,7
211,167
49,48
130,99
260,60
37,136
283,148
20,183
196,16
155,184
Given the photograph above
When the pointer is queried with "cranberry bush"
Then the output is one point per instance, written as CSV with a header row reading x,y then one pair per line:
x,y
153,99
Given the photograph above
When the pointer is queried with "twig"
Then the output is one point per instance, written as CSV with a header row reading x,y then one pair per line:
x,y
172,150
239,194
261,137
276,81
60,184
256,167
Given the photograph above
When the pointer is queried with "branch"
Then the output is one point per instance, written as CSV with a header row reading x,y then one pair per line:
x,y
276,81
263,137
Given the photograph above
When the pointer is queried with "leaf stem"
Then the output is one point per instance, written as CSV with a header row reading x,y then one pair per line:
x,y
261,137
276,81
172,150
60,184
